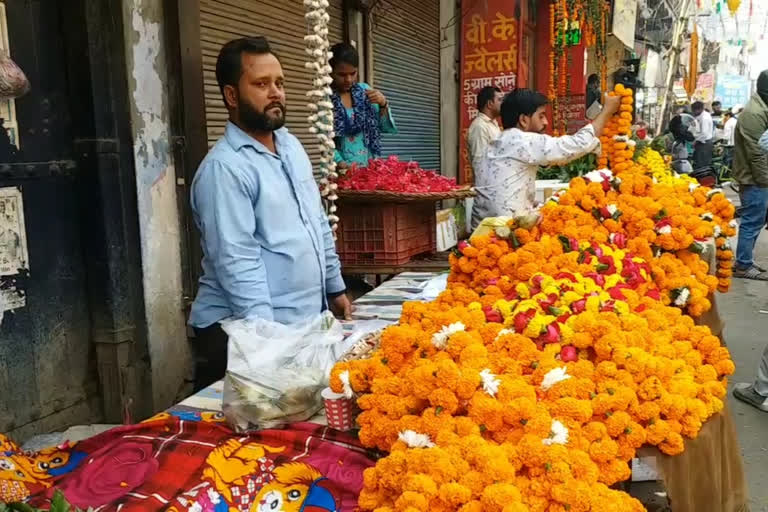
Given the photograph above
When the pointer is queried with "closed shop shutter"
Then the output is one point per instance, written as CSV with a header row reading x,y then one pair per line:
x,y
406,68
282,22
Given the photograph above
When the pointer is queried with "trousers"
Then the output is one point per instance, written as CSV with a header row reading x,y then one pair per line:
x,y
210,347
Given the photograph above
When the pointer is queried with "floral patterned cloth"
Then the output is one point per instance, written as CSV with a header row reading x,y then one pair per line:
x,y
192,462
506,180
352,148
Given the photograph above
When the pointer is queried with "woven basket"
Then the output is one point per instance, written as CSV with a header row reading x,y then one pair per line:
x,y
403,197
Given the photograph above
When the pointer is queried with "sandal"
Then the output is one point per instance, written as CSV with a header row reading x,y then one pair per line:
x,y
753,272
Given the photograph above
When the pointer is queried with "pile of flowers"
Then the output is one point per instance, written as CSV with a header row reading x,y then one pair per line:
x,y
394,175
562,345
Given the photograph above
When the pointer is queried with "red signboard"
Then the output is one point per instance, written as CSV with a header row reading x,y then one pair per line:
x,y
574,110
489,56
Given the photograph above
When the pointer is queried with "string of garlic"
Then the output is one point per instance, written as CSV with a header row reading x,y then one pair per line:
x,y
320,105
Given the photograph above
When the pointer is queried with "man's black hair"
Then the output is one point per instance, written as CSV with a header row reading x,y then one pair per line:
x,y
229,64
344,53
518,103
593,79
716,103
486,95
762,86
698,105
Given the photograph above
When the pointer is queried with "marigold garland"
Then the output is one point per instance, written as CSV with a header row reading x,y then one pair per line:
x,y
558,350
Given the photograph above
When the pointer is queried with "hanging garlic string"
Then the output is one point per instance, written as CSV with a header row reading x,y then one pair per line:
x,y
320,105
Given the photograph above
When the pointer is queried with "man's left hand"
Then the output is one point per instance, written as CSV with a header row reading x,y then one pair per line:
x,y
342,307
377,97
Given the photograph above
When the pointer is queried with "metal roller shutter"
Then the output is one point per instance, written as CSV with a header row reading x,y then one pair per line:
x,y
282,22
406,68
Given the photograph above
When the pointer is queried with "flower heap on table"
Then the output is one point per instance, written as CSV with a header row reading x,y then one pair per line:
x,y
557,350
394,175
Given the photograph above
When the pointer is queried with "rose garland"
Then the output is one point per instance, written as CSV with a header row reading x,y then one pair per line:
x,y
321,118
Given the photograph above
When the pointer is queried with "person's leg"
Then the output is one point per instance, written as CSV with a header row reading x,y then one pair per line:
x,y
210,355
754,205
702,155
756,394
761,382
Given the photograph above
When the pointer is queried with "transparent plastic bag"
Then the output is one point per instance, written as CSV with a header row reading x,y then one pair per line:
x,y
276,372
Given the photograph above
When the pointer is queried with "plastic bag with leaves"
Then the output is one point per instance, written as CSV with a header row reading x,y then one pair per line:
x,y
275,372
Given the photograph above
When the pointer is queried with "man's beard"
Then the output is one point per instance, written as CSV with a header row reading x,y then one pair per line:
x,y
254,120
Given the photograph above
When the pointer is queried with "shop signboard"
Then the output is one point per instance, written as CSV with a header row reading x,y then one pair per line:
x,y
489,57
705,88
574,109
733,90
624,20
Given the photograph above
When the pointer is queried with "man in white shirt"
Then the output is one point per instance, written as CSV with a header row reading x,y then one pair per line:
x,y
704,137
729,129
729,135
506,181
717,120
485,126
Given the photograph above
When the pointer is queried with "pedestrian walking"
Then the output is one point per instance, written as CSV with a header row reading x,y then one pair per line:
x,y
750,170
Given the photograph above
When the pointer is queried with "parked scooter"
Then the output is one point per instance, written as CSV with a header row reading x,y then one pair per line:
x,y
680,126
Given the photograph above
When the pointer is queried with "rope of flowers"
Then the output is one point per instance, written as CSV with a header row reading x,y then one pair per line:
x,y
320,105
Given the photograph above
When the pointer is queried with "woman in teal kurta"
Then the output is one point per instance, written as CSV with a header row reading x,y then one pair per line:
x,y
360,113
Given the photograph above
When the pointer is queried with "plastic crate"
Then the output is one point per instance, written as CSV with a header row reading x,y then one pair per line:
x,y
384,233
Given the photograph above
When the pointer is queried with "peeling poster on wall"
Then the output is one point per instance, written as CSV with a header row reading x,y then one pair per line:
x,y
14,259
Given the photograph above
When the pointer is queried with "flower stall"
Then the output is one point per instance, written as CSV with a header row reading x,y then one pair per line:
x,y
564,344
558,350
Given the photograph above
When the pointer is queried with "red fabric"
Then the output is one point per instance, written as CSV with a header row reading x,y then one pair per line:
x,y
172,464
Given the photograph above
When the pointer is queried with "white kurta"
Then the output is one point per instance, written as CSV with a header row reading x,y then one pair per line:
x,y
481,132
506,181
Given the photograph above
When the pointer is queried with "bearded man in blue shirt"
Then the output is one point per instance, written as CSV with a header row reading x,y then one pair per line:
x,y
268,250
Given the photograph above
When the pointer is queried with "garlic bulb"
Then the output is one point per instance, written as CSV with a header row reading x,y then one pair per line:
x,y
319,101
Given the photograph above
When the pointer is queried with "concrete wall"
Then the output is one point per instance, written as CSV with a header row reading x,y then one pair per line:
x,y
157,202
450,20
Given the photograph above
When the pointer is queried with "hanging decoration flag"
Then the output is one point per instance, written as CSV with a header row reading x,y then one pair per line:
x,y
321,118
734,5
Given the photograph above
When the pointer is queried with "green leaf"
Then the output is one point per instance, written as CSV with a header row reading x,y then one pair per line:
x,y
555,311
59,503
22,507
438,410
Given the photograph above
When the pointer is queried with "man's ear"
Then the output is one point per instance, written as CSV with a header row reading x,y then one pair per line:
x,y
231,96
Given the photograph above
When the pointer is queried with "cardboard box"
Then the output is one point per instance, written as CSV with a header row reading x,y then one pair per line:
x,y
447,230
545,189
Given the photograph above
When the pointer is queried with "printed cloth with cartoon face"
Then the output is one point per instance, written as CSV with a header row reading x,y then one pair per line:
x,y
170,463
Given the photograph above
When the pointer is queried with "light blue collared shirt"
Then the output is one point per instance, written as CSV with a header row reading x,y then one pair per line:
x,y
268,250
